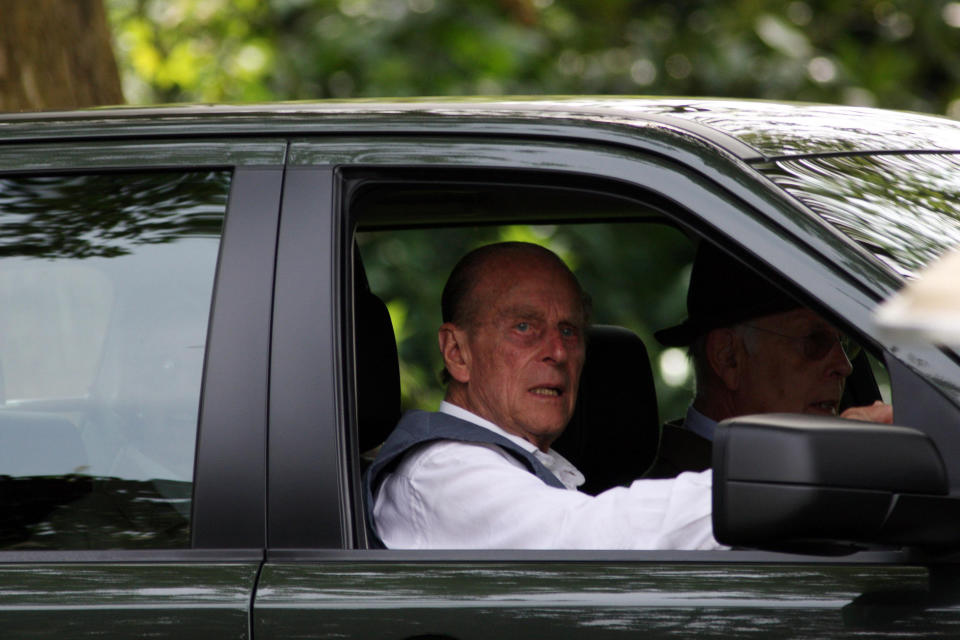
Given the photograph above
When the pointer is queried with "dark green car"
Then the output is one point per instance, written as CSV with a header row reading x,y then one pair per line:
x,y
209,316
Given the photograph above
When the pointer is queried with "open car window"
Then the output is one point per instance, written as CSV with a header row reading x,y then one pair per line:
x,y
631,251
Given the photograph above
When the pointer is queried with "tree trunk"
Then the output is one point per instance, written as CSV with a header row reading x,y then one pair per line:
x,y
56,54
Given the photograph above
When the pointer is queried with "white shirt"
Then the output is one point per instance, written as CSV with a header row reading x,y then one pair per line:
x,y
460,495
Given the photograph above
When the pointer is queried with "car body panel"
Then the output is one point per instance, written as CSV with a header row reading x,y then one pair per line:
x,y
749,129
231,465
592,599
788,130
307,419
176,600
147,154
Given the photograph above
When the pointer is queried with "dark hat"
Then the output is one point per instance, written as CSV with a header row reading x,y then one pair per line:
x,y
722,293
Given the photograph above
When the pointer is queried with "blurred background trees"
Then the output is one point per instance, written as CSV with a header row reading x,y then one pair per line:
x,y
898,54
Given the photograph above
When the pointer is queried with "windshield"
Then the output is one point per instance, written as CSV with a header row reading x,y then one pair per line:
x,y
901,207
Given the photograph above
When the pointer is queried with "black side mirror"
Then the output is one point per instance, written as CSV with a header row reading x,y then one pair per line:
x,y
785,479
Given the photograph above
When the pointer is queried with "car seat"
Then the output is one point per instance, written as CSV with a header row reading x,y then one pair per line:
x,y
377,366
615,430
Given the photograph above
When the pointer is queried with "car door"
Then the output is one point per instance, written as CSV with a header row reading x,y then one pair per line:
x,y
321,580
136,279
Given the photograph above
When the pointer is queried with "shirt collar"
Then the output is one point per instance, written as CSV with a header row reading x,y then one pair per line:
x,y
700,424
459,412
565,471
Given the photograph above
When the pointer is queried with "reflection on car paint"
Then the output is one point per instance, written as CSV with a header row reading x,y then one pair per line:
x,y
902,208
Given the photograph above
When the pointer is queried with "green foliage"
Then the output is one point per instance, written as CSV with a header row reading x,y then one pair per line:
x,y
896,54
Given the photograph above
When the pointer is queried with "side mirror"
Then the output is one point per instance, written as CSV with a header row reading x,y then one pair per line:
x,y
783,480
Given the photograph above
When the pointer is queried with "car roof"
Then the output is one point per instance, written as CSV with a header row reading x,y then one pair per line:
x,y
752,130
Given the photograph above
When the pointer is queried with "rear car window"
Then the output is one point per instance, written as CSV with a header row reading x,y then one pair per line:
x,y
105,289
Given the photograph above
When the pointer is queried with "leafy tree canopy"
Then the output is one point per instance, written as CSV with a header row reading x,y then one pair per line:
x,y
891,53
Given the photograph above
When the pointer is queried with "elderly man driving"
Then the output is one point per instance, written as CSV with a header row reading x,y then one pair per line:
x,y
480,473
754,350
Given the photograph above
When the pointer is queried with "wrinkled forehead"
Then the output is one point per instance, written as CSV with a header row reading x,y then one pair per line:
x,y
530,282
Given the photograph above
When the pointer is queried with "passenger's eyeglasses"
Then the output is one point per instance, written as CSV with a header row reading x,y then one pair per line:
x,y
817,344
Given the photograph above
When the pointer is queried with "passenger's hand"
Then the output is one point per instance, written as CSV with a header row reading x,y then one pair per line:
x,y
876,412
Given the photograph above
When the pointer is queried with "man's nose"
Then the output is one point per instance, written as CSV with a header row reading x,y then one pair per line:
x,y
839,362
556,348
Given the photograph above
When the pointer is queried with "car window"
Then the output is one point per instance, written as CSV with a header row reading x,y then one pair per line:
x,y
105,290
633,258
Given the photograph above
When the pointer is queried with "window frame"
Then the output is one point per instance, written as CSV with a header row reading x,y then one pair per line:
x,y
737,207
229,499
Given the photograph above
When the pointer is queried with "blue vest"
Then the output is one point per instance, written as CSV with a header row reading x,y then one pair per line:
x,y
419,427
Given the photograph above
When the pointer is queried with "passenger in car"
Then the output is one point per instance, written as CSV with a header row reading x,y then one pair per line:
x,y
754,350
480,473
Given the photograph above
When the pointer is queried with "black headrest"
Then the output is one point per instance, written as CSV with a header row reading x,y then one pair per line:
x,y
377,366
615,430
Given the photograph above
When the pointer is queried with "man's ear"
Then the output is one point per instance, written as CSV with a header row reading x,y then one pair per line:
x,y
456,354
725,354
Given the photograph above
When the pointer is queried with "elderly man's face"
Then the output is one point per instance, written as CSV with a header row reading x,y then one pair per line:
x,y
524,351
784,370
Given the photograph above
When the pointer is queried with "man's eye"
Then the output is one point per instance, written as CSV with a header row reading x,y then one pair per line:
x,y
523,326
568,332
